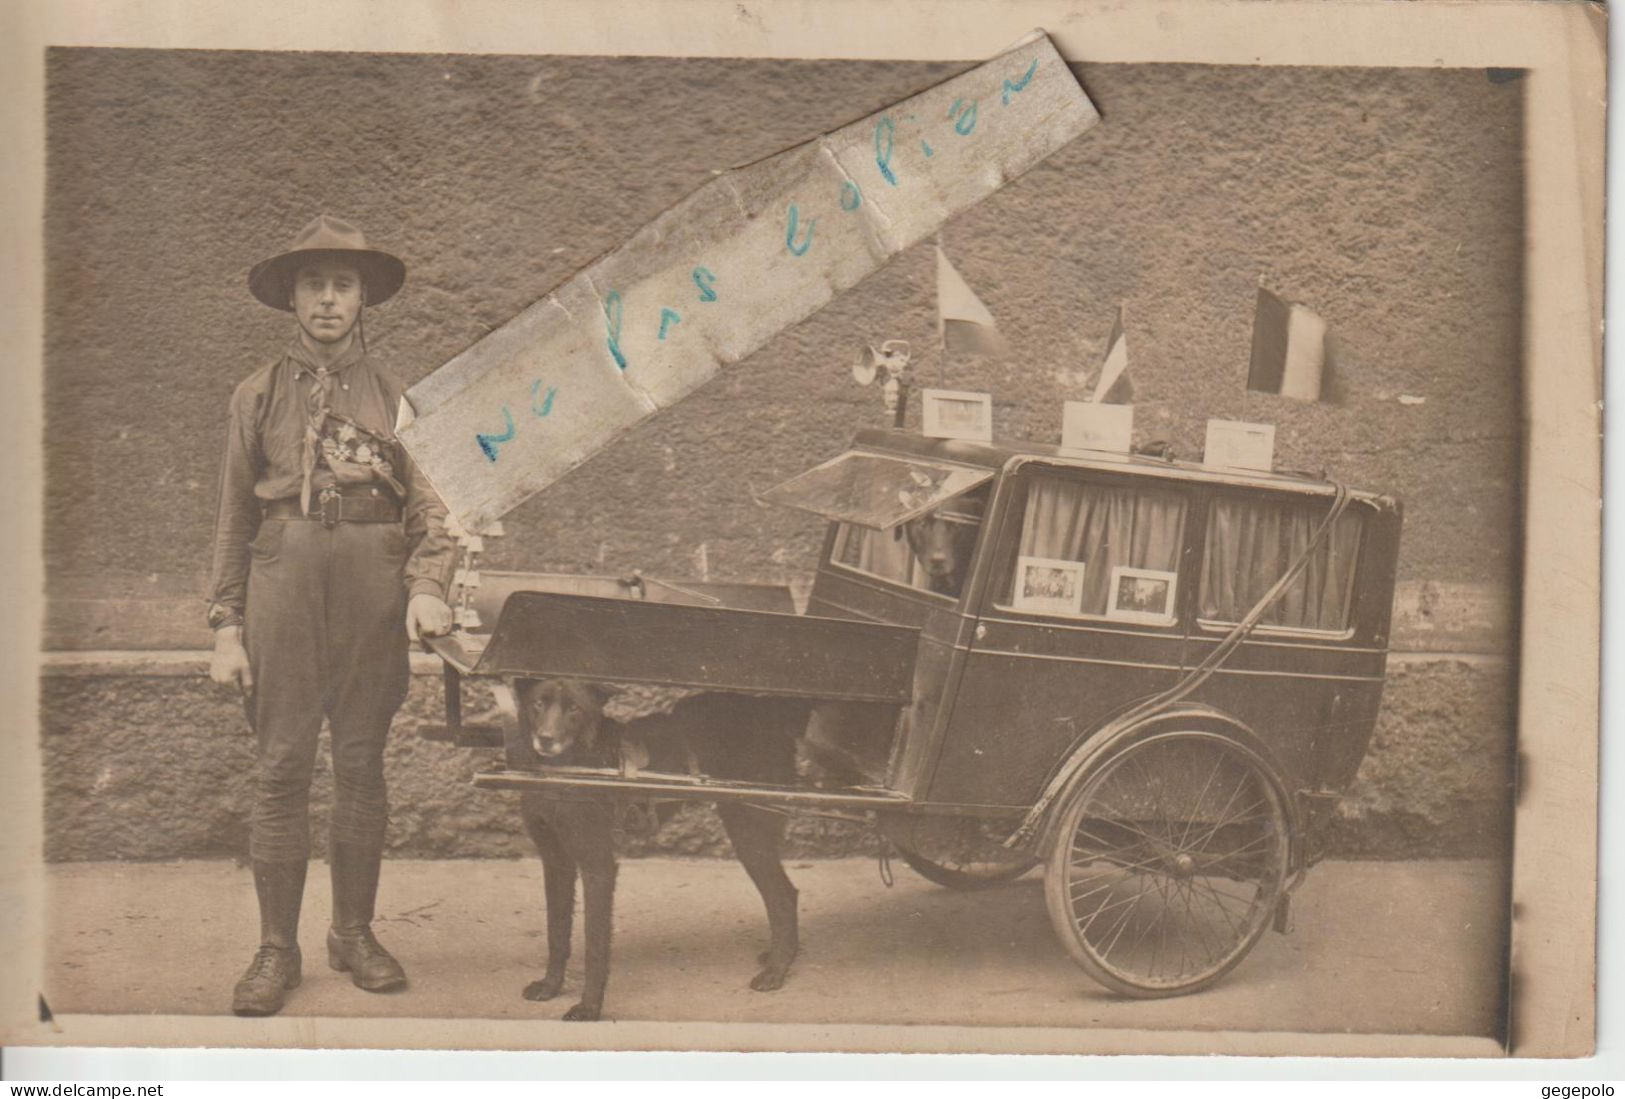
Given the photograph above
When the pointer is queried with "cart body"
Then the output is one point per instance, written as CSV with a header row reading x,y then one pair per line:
x,y
1003,634
1005,693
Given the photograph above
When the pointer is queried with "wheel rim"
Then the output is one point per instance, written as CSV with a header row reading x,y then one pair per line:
x,y
1171,861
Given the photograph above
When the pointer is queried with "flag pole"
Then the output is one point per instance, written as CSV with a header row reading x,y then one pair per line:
x,y
942,327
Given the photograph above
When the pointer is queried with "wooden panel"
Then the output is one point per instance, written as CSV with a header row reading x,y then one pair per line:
x,y
720,648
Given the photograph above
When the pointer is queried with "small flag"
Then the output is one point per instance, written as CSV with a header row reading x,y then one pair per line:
x,y
963,322
1114,386
1289,350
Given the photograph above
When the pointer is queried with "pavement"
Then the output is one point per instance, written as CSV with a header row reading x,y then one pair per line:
x,y
1412,948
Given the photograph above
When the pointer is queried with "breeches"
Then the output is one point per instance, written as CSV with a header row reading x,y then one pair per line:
x,y
325,629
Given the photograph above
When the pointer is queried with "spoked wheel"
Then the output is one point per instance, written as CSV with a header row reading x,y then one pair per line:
x,y
1170,862
958,852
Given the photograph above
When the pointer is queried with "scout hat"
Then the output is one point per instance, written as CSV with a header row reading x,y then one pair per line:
x,y
326,238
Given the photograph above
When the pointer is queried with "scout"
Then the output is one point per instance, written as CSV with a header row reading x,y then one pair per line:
x,y
330,556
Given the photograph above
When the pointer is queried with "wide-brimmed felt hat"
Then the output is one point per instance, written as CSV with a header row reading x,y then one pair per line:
x,y
327,237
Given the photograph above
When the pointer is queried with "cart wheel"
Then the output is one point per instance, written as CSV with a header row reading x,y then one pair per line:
x,y
959,852
1170,863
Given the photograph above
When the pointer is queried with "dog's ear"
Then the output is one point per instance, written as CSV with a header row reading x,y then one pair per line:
x,y
591,694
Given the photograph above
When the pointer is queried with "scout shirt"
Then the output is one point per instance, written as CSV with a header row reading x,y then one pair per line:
x,y
273,453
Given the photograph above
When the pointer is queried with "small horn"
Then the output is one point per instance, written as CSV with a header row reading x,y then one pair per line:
x,y
863,371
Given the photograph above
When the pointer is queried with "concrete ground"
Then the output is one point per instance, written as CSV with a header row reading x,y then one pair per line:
x,y
1379,947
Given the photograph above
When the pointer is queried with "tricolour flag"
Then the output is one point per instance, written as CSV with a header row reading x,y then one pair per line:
x,y
1289,350
1114,386
963,322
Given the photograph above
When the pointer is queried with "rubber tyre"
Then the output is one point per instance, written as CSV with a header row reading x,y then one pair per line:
x,y
1181,836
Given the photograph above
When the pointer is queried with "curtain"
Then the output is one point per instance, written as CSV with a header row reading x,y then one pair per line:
x,y
1251,543
1102,527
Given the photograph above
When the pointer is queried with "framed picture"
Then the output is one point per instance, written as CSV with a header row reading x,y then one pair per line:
x,y
1094,429
957,414
1235,444
1142,595
1049,584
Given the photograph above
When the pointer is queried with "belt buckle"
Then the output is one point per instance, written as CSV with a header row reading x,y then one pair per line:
x,y
331,502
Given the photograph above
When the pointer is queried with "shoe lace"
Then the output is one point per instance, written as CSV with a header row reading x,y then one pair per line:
x,y
266,959
362,941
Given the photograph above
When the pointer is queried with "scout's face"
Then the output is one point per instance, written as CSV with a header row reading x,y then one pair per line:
x,y
327,300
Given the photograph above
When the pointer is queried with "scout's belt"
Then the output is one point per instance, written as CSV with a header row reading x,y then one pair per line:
x,y
334,506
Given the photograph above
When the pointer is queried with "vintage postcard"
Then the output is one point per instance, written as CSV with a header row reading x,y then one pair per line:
x,y
1048,584
1143,595
1233,444
956,414
527,563
1098,427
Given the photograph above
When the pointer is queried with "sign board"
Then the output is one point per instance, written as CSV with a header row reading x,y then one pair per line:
x,y
1094,427
1235,444
755,250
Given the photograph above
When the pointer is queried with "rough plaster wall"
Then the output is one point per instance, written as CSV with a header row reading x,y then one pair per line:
x,y
1389,200
159,768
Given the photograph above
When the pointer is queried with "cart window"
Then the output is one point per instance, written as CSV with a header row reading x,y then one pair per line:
x,y
875,490
1098,551
931,552
1251,543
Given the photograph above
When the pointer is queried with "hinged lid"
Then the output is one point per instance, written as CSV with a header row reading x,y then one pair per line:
x,y
875,490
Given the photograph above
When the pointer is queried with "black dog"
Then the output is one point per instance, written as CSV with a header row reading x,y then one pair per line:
x,y
741,738
943,539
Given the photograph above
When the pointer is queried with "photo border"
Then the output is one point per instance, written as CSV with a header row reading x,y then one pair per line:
x,y
1560,47
1073,415
1226,432
1040,604
1145,618
931,402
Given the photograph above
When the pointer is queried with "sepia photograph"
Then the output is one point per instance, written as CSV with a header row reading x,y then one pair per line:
x,y
1143,595
955,415
1049,584
486,607
1096,426
1235,445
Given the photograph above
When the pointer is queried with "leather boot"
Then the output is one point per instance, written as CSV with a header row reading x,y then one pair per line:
x,y
275,969
351,947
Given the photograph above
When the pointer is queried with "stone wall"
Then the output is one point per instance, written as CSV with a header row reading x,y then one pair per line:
x,y
154,762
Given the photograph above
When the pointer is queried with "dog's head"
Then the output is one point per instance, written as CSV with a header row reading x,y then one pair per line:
x,y
942,541
561,716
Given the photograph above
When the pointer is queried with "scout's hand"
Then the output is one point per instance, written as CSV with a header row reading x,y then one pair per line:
x,y
229,664
427,616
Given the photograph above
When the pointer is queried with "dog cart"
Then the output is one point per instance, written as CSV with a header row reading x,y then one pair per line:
x,y
1151,677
